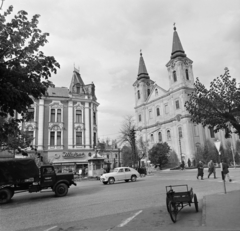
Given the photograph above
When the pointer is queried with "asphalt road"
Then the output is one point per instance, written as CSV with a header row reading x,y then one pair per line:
x,y
93,206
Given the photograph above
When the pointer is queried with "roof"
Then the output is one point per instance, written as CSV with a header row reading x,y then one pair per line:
x,y
177,49
142,70
58,92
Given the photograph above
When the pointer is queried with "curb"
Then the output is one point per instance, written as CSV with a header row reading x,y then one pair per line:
x,y
204,210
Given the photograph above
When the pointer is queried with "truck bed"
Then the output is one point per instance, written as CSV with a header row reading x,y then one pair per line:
x,y
18,170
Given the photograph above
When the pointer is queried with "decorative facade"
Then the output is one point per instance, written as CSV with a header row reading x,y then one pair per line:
x,y
65,125
160,114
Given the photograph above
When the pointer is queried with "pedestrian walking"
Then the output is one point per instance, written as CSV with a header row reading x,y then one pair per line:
x,y
200,170
225,170
211,169
182,165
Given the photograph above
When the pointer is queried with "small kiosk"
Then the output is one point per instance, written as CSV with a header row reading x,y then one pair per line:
x,y
95,166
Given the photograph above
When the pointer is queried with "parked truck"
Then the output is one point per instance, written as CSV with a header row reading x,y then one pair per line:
x,y
21,175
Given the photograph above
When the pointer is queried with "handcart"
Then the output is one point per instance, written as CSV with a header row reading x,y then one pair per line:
x,y
176,201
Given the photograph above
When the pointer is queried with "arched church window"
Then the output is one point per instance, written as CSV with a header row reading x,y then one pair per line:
x,y
139,118
168,135
180,134
138,92
187,76
174,76
158,111
152,138
148,91
160,137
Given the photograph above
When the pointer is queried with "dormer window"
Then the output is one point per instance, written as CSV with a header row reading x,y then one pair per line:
x,y
174,76
187,76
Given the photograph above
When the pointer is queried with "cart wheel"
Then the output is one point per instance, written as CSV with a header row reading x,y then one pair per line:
x,y
173,211
195,202
167,203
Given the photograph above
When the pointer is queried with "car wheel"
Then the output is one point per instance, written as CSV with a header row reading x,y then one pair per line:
x,y
61,190
111,180
126,180
133,178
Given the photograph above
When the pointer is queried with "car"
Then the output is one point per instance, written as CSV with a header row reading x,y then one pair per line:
x,y
120,174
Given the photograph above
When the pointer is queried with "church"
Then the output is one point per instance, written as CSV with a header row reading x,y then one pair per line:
x,y
160,114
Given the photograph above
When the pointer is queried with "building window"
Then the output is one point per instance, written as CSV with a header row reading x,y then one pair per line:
x,y
211,132
52,115
177,104
180,134
78,116
59,138
166,108
30,114
52,138
78,138
77,89
139,118
55,136
30,133
150,114
152,138
174,76
94,118
160,137
156,92
148,91
168,135
108,156
58,115
158,111
94,139
187,76
138,92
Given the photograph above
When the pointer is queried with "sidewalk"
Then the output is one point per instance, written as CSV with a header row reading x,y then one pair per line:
x,y
221,211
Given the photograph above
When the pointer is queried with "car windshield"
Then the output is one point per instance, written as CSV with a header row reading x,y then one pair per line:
x,y
115,170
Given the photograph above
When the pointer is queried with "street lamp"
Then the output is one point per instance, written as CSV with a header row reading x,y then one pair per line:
x,y
217,145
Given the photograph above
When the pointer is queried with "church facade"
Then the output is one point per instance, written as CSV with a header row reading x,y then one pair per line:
x,y
160,114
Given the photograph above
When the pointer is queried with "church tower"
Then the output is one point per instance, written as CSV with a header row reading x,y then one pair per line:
x,y
180,71
143,84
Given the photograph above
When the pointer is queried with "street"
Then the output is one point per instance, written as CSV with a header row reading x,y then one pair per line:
x,y
91,205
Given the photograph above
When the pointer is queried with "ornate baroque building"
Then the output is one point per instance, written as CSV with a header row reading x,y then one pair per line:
x,y
161,115
64,124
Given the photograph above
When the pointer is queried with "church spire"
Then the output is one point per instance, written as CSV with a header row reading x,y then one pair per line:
x,y
177,49
142,70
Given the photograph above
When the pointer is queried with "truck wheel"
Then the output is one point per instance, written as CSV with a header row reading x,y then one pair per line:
x,y
61,190
5,195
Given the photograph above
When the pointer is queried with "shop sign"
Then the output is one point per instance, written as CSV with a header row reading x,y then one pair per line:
x,y
73,155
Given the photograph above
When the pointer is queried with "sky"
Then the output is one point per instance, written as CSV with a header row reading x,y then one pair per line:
x,y
103,39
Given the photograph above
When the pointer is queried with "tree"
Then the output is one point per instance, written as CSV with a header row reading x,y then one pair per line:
x,y
127,136
24,69
141,149
158,154
126,156
218,107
